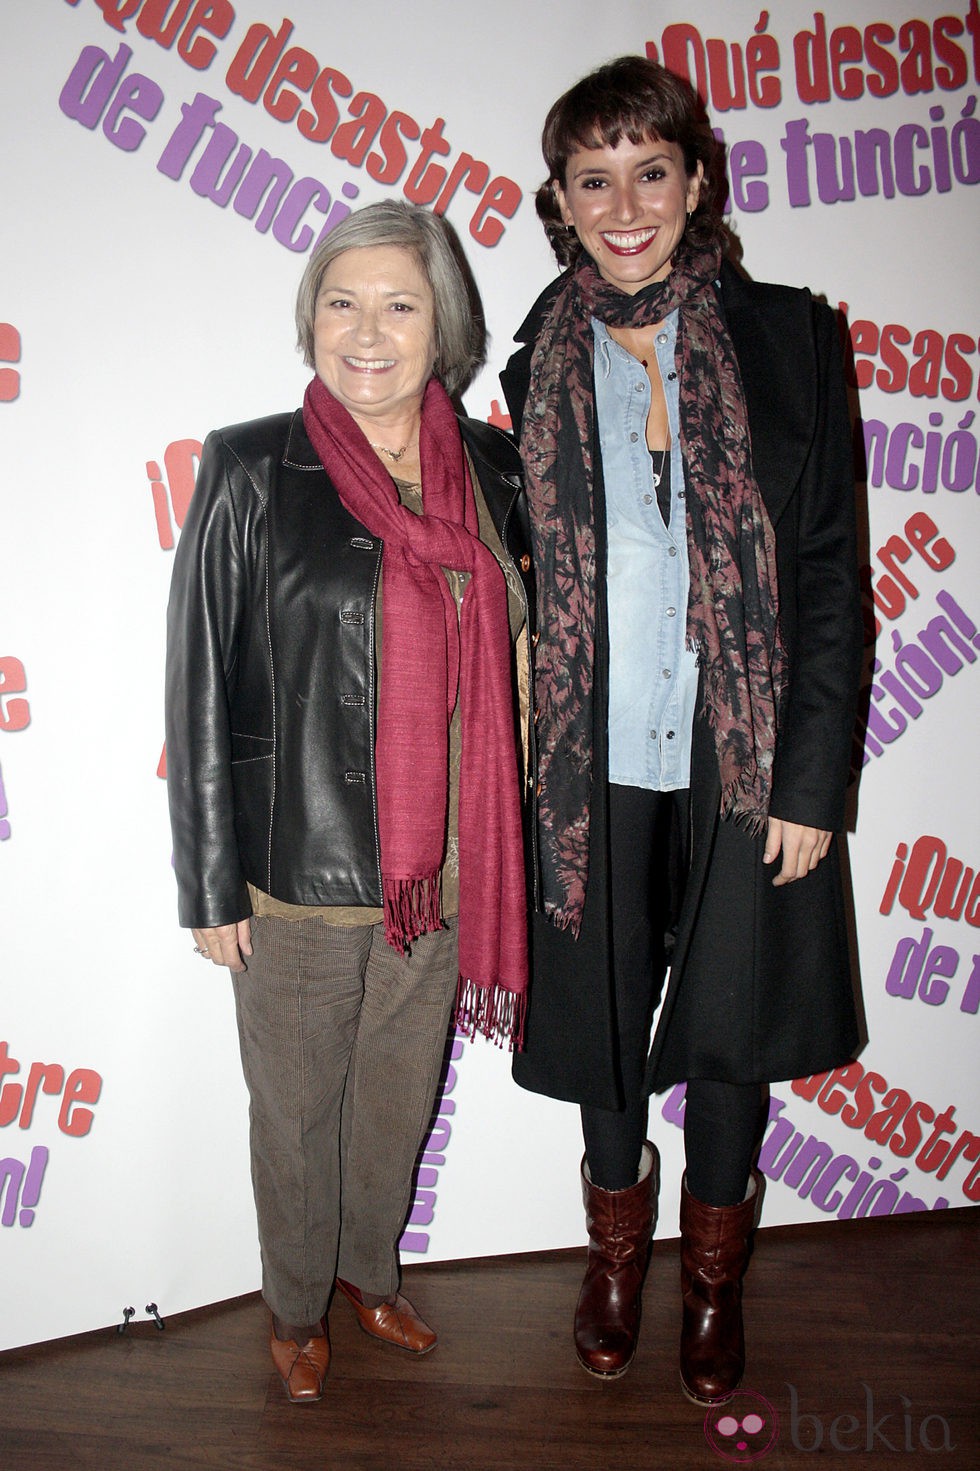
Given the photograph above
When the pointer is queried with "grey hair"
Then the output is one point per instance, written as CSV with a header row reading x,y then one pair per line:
x,y
460,337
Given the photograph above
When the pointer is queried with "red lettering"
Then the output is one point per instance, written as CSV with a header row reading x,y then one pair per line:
x,y
388,165
935,1149
920,530
885,592
472,171
83,1087
808,1088
299,67
893,377
14,714
883,1124
252,64
922,876
967,1144
49,1077
895,550
159,21
958,384
10,1093
924,377
9,353
762,56
856,1114
352,140
845,46
912,1129
320,123
916,68
864,340
877,37
502,196
830,1098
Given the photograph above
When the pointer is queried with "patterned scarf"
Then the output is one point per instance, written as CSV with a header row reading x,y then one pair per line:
x,y
429,651
732,608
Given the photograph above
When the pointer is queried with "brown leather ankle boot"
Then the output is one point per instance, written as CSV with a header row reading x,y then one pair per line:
x,y
620,1224
714,1254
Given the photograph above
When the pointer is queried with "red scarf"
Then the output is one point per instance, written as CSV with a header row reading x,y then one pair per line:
x,y
429,651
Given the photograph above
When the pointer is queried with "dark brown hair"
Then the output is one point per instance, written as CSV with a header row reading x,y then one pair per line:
x,y
634,98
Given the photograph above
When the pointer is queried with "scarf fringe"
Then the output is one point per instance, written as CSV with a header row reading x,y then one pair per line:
x,y
412,907
564,918
493,1011
755,822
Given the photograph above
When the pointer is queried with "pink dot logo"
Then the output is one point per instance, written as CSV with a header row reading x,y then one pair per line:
x,y
744,1429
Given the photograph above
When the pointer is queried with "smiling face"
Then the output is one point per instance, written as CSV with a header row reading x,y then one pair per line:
x,y
629,206
374,334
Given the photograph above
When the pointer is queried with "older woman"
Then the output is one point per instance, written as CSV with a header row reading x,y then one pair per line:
x,y
685,440
341,762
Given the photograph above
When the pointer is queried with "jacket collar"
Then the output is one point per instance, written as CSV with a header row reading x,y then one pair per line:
x,y
299,453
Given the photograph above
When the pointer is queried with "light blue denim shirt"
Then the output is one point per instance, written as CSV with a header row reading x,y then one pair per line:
x,y
653,678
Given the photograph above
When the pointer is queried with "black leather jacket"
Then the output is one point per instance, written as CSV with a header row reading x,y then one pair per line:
x,y
271,676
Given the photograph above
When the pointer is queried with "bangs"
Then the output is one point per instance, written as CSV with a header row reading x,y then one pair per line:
x,y
609,132
601,117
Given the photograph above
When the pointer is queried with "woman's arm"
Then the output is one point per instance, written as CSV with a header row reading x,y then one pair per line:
x,y
813,749
204,618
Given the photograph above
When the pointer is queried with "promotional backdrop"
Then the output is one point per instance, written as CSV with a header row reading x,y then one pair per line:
x,y
168,165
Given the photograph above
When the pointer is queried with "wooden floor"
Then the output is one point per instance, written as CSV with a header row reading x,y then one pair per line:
x,y
862,1350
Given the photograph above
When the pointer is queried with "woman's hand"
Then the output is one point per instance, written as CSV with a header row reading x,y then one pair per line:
x,y
225,944
802,849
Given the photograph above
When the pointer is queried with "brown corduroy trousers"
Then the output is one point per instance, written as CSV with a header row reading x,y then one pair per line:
x,y
342,1042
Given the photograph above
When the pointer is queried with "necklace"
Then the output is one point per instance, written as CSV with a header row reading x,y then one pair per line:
x,y
658,474
661,455
393,454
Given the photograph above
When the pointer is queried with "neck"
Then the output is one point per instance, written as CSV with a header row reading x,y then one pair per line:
x,y
392,431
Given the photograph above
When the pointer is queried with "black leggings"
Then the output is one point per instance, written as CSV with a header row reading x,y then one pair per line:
x,y
647,832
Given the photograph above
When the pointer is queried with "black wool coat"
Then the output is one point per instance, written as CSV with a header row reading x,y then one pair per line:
x,y
760,985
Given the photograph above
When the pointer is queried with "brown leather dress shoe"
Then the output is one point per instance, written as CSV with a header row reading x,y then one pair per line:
x,y
393,1321
301,1369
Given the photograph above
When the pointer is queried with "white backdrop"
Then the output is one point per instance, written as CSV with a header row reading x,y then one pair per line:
x,y
147,289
